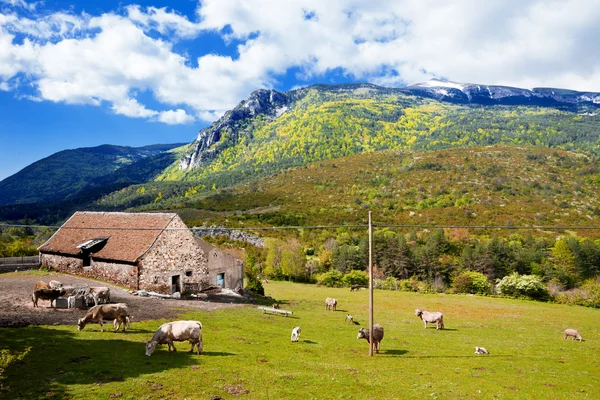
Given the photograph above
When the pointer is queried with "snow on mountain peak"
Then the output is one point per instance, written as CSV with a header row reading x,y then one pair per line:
x,y
434,82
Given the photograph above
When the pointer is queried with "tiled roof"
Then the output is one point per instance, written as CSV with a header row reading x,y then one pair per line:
x,y
130,234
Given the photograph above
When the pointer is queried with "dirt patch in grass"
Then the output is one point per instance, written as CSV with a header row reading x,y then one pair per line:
x,y
17,309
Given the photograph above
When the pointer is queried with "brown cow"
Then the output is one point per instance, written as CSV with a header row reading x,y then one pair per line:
x,y
41,285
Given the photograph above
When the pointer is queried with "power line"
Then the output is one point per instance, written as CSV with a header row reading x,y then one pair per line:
x,y
272,228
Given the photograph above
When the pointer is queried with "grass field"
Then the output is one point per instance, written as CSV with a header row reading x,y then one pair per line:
x,y
248,354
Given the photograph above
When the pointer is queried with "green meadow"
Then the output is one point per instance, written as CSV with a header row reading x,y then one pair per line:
x,y
249,355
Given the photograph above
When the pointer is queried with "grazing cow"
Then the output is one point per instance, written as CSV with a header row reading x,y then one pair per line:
x,y
46,294
296,334
573,334
349,319
99,295
330,304
42,285
178,331
481,350
276,306
363,333
118,312
355,287
431,317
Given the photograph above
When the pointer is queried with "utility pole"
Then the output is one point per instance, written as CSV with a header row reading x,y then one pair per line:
x,y
370,285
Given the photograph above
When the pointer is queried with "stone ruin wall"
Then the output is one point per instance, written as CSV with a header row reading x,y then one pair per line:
x,y
121,274
174,253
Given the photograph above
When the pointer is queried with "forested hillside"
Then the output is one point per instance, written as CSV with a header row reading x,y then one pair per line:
x,y
66,174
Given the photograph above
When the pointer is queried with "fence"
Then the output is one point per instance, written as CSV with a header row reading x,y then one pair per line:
x,y
9,264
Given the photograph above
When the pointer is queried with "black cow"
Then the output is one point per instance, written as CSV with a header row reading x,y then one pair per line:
x,y
46,294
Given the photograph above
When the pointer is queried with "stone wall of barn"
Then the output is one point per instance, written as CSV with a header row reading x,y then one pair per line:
x,y
232,268
175,262
121,274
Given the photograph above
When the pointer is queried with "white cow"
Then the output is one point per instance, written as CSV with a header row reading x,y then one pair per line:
x,y
431,317
177,331
99,294
296,334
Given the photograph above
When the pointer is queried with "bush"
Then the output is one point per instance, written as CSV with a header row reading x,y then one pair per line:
x,y
587,295
529,286
256,286
471,282
409,285
356,277
389,283
331,278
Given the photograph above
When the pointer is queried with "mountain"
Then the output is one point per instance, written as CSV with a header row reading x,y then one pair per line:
x,y
66,174
469,93
273,130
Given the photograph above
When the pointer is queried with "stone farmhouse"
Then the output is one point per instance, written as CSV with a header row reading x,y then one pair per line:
x,y
149,251
224,270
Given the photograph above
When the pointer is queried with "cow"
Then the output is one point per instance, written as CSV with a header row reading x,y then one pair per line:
x,y
99,295
55,284
46,294
177,331
118,312
330,304
296,334
431,317
572,333
377,335
42,285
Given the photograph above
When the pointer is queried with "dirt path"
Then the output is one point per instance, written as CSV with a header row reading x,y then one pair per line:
x,y
16,308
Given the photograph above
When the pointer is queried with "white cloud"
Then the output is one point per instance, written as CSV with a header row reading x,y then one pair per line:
x,y
31,6
178,116
109,59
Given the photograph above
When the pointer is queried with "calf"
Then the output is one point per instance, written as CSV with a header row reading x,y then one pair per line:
x,y
377,335
349,319
481,350
431,317
46,294
330,304
296,334
118,312
177,331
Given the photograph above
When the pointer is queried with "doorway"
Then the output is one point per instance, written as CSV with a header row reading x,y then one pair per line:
x,y
175,283
221,280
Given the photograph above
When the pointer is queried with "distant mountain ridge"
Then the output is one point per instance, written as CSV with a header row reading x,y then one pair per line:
x,y
67,173
269,105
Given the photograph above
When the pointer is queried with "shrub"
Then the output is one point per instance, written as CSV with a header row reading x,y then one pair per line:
x,y
409,285
389,283
356,277
331,278
587,295
471,282
256,286
529,286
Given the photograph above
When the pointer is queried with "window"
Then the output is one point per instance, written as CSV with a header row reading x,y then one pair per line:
x,y
188,273
221,280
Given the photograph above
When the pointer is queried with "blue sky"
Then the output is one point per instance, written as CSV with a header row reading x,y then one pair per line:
x,y
84,73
